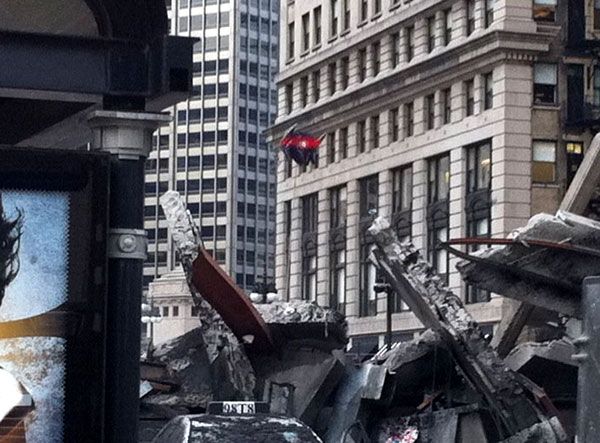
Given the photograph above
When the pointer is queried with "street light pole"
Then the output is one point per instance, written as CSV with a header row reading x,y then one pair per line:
x,y
127,136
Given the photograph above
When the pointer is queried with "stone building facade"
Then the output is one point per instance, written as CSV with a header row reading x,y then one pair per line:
x,y
451,118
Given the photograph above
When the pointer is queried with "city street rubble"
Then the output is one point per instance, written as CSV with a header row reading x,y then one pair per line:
x,y
446,385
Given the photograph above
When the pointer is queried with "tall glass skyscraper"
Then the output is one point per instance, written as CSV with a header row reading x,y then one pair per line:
x,y
214,152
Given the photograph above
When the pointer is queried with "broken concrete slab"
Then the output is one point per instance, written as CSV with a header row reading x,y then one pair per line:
x,y
547,274
441,310
305,324
547,431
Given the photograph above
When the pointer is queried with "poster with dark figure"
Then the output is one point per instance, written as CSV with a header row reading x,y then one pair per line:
x,y
34,255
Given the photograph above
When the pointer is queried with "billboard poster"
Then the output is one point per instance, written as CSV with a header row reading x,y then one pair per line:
x,y
51,306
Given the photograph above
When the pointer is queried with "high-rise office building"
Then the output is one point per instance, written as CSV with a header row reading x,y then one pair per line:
x,y
451,118
214,151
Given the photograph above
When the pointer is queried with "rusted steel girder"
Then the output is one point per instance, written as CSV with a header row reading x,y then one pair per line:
x,y
440,309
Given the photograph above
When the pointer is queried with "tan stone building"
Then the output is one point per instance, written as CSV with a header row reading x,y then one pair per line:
x,y
451,118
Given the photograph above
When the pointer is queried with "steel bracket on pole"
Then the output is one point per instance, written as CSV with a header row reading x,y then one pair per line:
x,y
127,243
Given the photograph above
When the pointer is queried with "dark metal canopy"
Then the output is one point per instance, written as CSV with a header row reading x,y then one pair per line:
x,y
60,57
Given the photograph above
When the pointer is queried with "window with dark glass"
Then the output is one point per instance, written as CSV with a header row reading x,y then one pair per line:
x,y
447,22
395,49
478,203
368,207
489,12
304,91
430,111
337,247
544,10
470,16
596,14
305,32
346,15
362,64
394,123
309,246
361,136
289,97
316,77
343,143
334,18
438,189
409,42
317,20
375,132
376,7
291,36
446,106
376,57
470,97
409,119
331,147
544,83
364,10
402,201
488,91
345,71
331,80
430,33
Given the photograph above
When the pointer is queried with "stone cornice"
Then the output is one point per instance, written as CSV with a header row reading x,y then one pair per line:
x,y
414,80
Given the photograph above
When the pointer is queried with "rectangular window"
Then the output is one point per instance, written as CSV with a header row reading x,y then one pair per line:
x,y
289,97
479,161
430,111
345,77
438,182
544,83
317,19
596,86
337,299
375,132
544,161
362,64
338,206
334,17
361,136
447,21
446,106
488,90
364,10
477,227
165,311
544,10
409,43
470,16
470,97
430,33
346,6
331,147
316,75
596,14
344,143
489,12
175,311
402,189
409,119
368,207
394,124
305,32
309,247
291,49
331,74
376,7
376,58
395,49
303,91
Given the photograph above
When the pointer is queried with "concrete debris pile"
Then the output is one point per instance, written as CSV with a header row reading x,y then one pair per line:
x,y
446,385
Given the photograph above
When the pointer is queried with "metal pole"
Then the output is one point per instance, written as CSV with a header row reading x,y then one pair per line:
x,y
127,136
389,294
